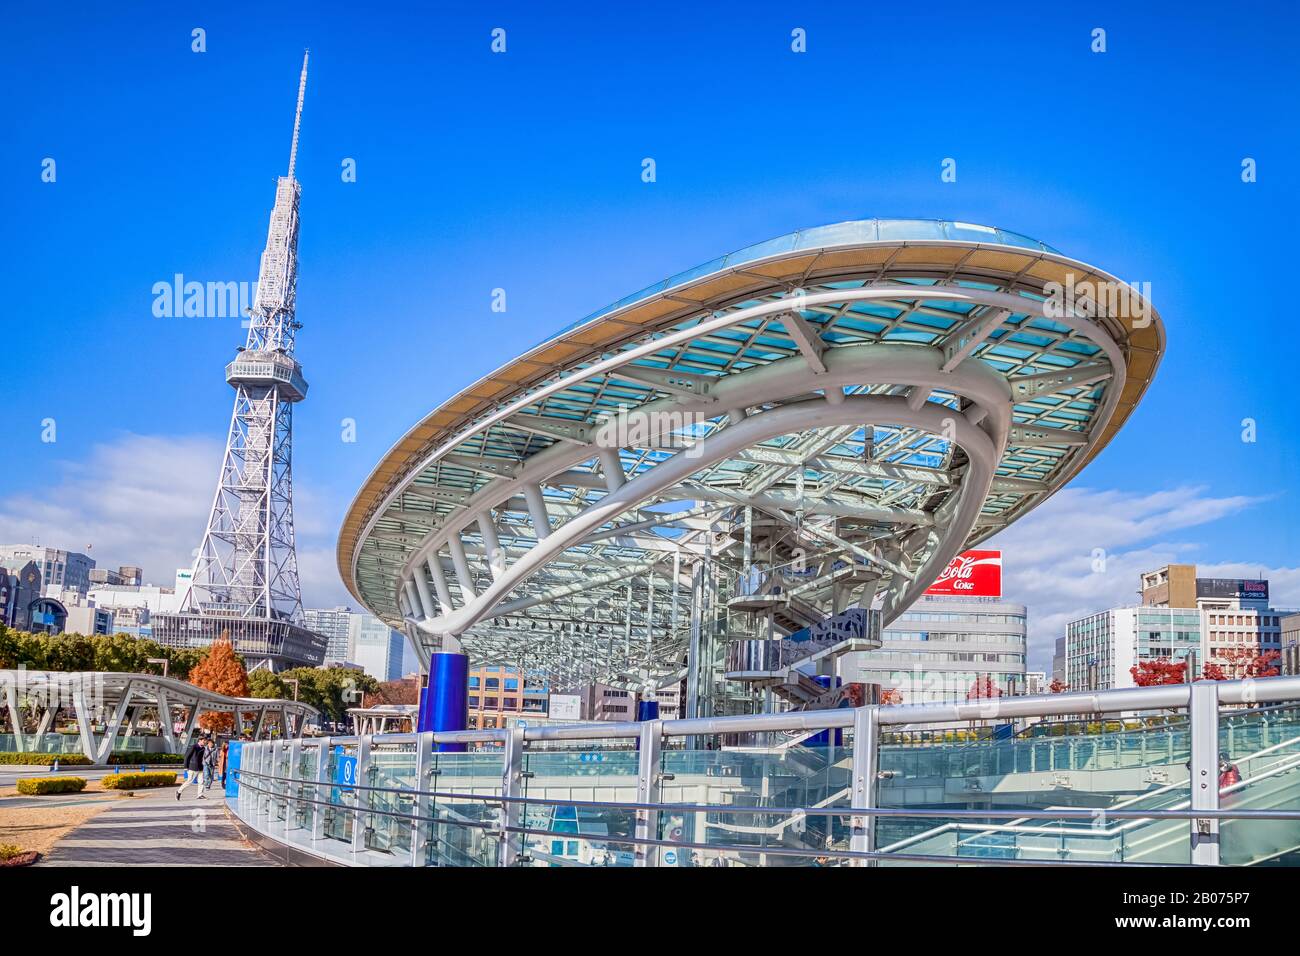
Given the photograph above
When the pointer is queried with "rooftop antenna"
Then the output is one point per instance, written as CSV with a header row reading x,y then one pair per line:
x,y
297,116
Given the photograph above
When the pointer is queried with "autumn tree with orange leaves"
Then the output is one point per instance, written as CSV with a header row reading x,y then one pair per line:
x,y
222,672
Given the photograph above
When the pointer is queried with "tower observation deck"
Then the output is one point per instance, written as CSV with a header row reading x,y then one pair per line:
x,y
245,578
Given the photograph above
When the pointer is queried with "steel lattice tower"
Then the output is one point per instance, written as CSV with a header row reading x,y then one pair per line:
x,y
247,565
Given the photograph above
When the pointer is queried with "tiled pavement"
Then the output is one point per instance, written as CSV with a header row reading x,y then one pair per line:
x,y
158,830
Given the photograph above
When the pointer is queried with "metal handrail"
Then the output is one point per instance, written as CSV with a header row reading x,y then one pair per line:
x,y
781,850
1082,813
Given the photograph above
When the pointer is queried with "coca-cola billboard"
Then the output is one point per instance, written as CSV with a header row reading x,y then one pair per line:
x,y
971,574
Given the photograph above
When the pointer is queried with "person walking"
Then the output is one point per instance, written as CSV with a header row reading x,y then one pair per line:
x,y
209,763
221,766
193,769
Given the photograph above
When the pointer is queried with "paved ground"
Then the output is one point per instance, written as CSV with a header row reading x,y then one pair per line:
x,y
158,830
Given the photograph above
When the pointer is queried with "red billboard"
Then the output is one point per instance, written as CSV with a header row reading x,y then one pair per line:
x,y
971,574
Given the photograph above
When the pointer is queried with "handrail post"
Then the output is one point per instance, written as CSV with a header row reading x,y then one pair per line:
x,y
1203,722
423,784
295,806
512,776
358,796
866,770
322,777
647,791
277,748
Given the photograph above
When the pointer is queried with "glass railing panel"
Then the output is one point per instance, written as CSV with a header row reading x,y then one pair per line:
x,y
458,835
303,816
794,778
1259,769
574,834
390,766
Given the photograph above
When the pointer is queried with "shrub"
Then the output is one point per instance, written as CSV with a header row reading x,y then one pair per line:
x,y
8,851
39,786
132,757
43,760
137,780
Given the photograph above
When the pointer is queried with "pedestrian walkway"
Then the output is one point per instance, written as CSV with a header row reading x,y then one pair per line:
x,y
158,830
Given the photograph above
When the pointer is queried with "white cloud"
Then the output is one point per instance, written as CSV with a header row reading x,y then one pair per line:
x,y
144,500
1050,554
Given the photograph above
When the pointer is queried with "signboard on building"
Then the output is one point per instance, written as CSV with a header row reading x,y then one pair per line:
x,y
1232,588
564,707
971,574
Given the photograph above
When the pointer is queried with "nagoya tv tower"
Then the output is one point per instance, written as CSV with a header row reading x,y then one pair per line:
x,y
245,578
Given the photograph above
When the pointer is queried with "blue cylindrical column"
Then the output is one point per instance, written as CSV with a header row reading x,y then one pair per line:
x,y
445,704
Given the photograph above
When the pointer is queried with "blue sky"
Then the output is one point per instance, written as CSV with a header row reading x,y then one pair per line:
x,y
522,171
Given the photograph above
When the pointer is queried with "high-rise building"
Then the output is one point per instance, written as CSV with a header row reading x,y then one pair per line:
x,y
245,579
1102,648
59,569
375,646
334,624
942,646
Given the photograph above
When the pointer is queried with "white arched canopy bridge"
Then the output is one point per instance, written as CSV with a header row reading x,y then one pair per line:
x,y
849,406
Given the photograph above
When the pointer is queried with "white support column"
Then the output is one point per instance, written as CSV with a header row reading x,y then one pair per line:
x,y
440,583
537,512
422,807
15,719
422,592
113,726
866,769
1203,722
81,705
165,721
260,724
512,768
461,564
611,468
496,558
190,724
647,791
412,598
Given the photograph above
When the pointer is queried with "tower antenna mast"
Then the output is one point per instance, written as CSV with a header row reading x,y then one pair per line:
x,y
297,116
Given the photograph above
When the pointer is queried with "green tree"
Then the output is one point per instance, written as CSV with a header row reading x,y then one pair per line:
x,y
266,685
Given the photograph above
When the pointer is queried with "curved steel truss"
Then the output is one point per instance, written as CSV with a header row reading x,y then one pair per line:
x,y
878,406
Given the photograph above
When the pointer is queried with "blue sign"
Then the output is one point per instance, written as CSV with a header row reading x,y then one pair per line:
x,y
345,773
591,758
670,857
233,752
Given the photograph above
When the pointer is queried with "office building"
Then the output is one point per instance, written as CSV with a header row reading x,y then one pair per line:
x,y
59,569
940,647
334,624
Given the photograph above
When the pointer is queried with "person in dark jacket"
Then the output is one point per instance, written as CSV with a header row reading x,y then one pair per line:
x,y
193,768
